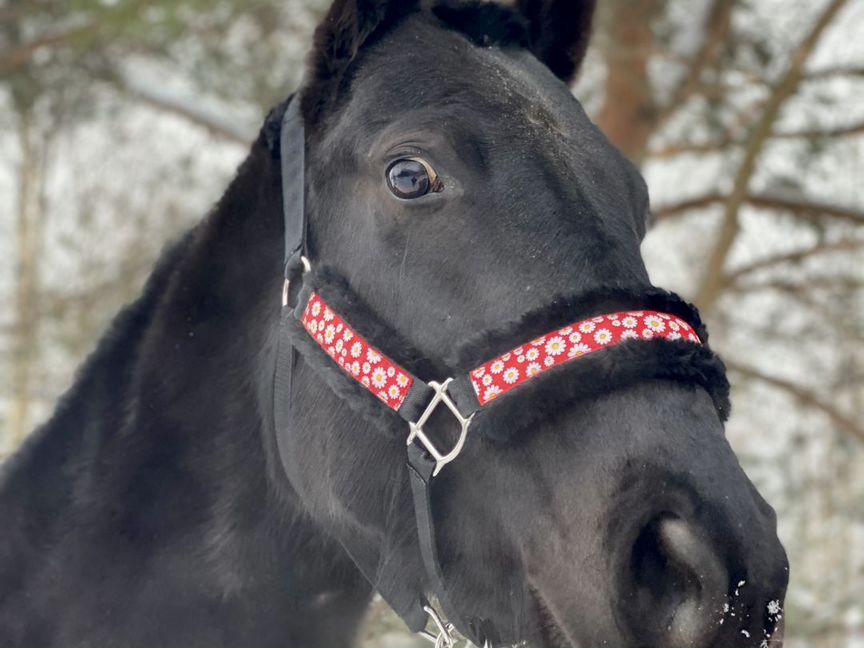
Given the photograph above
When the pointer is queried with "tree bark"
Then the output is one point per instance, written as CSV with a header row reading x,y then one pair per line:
x,y
28,234
629,114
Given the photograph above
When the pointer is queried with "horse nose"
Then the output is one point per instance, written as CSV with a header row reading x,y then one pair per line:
x,y
681,590
680,584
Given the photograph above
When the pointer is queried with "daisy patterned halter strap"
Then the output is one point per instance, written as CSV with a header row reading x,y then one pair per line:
x,y
392,384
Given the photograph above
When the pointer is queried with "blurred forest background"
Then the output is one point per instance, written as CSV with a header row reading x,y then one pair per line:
x,y
121,121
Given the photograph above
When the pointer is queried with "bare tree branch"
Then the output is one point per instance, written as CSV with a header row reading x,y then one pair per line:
x,y
803,396
791,287
18,56
208,119
711,282
802,208
838,71
824,133
717,27
797,256
718,146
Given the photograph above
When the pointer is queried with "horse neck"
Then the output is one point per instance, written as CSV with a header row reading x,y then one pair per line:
x,y
167,436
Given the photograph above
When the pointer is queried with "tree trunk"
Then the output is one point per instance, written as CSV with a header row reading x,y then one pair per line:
x,y
28,234
629,113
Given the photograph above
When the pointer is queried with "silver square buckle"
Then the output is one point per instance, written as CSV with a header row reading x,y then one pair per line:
x,y
417,432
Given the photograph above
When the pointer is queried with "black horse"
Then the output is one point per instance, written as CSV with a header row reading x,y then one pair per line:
x,y
458,202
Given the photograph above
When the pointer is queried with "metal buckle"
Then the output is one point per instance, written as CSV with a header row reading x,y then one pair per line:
x,y
446,636
306,268
417,432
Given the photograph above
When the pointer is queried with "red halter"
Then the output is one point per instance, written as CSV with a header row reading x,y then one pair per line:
x,y
499,376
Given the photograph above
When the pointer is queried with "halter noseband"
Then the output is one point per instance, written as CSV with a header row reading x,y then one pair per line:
x,y
414,400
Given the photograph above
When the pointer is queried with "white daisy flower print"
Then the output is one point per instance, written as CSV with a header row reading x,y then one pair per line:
x,y
402,380
539,341
578,350
497,367
393,391
587,327
520,358
478,373
532,354
491,392
366,367
673,325
391,372
365,381
647,334
339,344
379,377
506,356
555,346
329,333
575,338
519,350
533,369
629,322
356,350
654,323
629,334
355,368
487,380
372,357
511,375
548,361
567,330
348,335
316,309
673,336
328,315
603,336
383,396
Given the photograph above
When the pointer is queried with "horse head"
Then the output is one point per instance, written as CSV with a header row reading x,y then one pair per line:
x,y
461,202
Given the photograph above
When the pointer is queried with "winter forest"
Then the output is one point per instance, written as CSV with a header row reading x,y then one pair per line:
x,y
121,122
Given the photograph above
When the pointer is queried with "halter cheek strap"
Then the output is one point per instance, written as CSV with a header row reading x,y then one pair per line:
x,y
414,609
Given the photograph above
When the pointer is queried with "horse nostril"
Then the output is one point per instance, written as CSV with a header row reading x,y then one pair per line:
x,y
680,583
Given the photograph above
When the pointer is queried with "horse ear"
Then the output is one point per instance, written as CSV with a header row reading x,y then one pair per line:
x,y
559,31
338,39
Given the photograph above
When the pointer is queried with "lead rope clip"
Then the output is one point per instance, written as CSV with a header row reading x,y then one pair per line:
x,y
445,635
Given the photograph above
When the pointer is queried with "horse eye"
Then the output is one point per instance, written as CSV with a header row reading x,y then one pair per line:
x,y
412,178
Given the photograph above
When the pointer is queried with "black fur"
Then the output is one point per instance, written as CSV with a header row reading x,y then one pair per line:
x,y
347,28
560,32
485,25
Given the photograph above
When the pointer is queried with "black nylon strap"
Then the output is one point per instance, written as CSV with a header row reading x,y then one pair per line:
x,y
293,162
420,468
